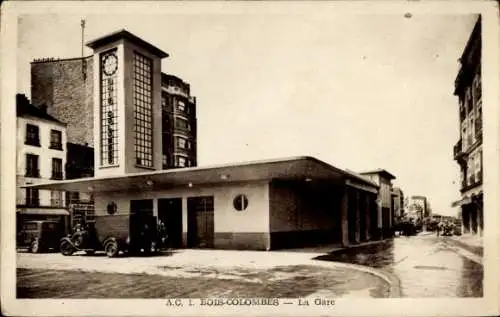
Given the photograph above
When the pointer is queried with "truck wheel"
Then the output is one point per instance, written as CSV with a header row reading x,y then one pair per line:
x,y
35,246
111,248
66,248
78,239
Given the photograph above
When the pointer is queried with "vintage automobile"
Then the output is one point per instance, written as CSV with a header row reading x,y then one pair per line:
x,y
448,229
113,234
40,235
404,226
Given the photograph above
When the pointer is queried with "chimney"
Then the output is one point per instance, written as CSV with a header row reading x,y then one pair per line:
x,y
43,108
21,99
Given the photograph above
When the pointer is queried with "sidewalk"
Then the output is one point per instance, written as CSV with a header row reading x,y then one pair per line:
x,y
469,242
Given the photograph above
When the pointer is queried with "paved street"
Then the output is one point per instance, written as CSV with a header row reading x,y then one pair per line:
x,y
191,274
426,265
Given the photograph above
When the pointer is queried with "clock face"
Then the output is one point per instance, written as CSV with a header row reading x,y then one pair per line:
x,y
110,64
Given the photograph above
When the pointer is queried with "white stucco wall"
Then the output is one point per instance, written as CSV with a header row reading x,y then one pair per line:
x,y
226,219
45,156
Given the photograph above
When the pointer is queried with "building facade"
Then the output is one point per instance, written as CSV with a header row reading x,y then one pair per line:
x,y
41,156
266,205
417,207
385,202
179,146
468,151
398,202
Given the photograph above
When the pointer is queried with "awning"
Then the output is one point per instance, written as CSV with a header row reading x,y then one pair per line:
x,y
43,211
461,202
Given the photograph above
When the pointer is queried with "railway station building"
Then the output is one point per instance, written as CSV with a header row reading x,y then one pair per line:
x,y
260,205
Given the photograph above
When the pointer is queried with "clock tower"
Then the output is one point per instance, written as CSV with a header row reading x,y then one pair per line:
x,y
127,104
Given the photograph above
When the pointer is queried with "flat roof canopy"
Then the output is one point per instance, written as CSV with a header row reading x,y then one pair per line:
x,y
295,168
380,171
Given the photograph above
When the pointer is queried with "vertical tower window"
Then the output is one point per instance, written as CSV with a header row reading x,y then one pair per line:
x,y
109,109
143,110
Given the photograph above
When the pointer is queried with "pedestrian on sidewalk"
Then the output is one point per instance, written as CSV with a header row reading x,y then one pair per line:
x,y
439,227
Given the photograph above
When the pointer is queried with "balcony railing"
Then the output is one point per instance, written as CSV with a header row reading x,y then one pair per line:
x,y
464,184
474,180
32,141
479,128
479,178
32,202
457,150
33,172
177,90
56,203
55,146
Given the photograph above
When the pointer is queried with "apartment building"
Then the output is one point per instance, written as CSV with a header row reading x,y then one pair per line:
x,y
178,123
41,156
468,151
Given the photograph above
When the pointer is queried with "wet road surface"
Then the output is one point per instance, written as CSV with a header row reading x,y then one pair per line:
x,y
426,265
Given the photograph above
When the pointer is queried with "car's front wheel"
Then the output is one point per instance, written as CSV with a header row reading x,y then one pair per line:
x,y
111,248
66,248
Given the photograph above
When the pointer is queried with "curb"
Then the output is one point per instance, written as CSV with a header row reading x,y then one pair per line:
x,y
477,250
389,278
361,245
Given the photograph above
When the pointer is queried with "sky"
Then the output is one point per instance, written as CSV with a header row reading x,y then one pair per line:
x,y
357,91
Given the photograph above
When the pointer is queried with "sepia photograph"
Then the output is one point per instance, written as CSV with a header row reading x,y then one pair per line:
x,y
222,157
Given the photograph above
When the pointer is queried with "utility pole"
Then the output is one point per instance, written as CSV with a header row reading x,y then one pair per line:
x,y
83,32
84,62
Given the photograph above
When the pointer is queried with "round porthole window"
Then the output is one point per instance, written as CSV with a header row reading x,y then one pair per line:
x,y
111,208
240,202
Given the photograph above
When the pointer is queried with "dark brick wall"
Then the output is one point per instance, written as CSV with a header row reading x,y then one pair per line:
x,y
66,87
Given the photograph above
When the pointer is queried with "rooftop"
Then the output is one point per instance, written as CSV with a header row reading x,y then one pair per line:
x,y
380,171
303,168
25,109
166,76
124,34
